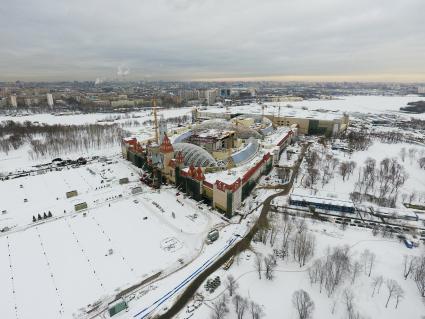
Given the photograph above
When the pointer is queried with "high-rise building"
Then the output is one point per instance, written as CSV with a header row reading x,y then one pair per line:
x,y
211,96
50,102
13,101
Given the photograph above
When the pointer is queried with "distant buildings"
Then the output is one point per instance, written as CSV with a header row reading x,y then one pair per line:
x,y
307,122
189,95
421,90
239,93
122,103
211,96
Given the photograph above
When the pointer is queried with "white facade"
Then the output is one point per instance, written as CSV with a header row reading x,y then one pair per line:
x,y
421,90
211,96
50,100
13,101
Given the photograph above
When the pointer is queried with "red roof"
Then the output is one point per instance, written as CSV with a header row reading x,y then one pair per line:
x,y
166,146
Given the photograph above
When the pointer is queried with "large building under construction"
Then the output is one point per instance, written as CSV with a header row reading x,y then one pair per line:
x,y
218,162
220,157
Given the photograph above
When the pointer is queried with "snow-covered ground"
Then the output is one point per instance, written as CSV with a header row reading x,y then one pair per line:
x,y
91,118
373,104
337,185
61,264
133,123
275,296
59,267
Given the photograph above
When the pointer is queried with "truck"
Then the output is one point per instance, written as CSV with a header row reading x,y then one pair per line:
x,y
212,236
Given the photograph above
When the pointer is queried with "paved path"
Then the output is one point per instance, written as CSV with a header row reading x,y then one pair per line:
x,y
241,245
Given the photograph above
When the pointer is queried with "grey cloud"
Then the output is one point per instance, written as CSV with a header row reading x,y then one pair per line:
x,y
186,39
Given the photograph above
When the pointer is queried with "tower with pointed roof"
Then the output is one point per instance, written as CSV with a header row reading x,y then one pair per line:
x,y
167,152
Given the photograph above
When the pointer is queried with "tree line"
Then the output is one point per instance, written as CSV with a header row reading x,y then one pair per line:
x,y
52,140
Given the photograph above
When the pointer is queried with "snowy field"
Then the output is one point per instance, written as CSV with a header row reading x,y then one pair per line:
x,y
61,264
91,118
132,123
275,296
360,104
341,186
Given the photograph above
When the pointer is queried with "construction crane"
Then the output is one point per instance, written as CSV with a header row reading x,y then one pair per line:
x,y
155,120
229,161
262,113
278,114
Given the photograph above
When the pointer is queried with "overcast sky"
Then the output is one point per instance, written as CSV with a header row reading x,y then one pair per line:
x,y
212,39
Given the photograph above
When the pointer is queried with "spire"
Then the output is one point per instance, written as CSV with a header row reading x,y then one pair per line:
x,y
180,158
166,146
191,171
199,174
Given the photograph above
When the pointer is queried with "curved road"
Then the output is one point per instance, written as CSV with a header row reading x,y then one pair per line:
x,y
238,247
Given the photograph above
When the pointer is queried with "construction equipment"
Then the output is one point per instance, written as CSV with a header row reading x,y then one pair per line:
x,y
155,120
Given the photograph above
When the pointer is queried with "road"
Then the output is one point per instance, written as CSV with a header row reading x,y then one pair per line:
x,y
232,250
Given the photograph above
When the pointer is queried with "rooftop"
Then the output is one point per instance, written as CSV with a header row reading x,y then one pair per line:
x,y
285,111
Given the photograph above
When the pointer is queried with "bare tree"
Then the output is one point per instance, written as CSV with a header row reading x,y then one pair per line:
x,y
355,271
344,169
348,297
333,306
403,154
351,166
421,162
412,154
301,226
231,285
371,263
303,247
255,310
303,304
219,308
408,265
287,229
312,177
337,267
274,230
241,305
419,275
399,294
392,287
331,272
412,197
270,265
376,284
368,260
258,264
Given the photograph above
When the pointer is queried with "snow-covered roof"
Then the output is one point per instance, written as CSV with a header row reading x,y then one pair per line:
x,y
321,200
402,213
274,138
256,109
236,172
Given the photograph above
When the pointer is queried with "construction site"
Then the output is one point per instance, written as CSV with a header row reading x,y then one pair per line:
x,y
216,161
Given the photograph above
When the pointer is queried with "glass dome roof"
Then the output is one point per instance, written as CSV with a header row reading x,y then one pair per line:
x,y
194,154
